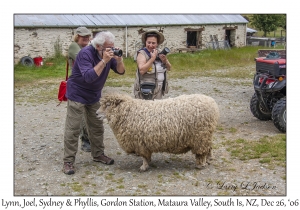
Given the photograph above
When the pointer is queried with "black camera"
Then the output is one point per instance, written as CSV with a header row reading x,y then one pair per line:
x,y
165,51
117,52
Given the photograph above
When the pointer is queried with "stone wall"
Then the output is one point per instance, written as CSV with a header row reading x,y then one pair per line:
x,y
45,42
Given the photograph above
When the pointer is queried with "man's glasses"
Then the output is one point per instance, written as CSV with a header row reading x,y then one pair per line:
x,y
85,37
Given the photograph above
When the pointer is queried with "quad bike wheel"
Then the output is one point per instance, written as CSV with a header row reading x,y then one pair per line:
x,y
257,109
279,115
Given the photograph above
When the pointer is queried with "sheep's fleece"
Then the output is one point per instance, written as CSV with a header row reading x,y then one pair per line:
x,y
173,125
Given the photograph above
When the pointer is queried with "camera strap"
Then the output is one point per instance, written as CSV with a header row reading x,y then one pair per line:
x,y
146,51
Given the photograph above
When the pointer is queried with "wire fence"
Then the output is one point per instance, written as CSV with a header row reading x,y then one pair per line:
x,y
216,45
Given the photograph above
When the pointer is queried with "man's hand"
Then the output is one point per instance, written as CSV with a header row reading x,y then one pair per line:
x,y
107,54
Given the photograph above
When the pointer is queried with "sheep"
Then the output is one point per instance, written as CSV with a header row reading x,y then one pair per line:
x,y
173,125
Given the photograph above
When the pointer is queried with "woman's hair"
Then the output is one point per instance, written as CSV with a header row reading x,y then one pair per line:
x,y
76,38
102,37
153,35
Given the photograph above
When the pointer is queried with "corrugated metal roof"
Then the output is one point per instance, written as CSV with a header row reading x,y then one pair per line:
x,y
109,20
250,30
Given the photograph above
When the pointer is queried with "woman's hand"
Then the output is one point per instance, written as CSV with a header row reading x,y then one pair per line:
x,y
153,54
163,58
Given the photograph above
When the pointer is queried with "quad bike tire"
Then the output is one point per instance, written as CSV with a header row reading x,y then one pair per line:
x,y
27,61
257,109
279,115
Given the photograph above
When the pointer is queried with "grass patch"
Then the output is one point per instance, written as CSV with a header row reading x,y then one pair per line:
x,y
215,63
109,176
160,178
110,190
76,186
119,181
269,150
142,186
120,187
88,172
232,130
177,175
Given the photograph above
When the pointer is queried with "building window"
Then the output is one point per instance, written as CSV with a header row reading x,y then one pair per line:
x,y
194,37
191,38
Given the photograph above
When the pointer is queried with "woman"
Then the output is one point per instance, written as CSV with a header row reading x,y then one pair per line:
x,y
151,78
81,39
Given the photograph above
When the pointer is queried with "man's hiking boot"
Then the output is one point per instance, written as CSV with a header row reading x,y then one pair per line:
x,y
68,168
104,159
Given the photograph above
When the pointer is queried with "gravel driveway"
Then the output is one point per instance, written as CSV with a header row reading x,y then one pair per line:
x,y
39,151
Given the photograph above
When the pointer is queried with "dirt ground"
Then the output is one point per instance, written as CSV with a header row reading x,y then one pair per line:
x,y
39,151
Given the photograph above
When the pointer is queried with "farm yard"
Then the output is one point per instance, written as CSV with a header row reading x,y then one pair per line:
x,y
244,162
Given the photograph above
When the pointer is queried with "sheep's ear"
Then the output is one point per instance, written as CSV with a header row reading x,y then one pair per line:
x,y
118,101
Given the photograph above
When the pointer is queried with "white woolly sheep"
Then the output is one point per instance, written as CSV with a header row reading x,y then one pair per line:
x,y
174,125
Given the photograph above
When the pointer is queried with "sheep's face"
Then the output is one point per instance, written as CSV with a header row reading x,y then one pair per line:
x,y
102,110
104,106
100,114
109,104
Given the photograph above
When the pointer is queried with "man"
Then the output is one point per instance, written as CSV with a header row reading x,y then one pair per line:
x,y
90,71
81,39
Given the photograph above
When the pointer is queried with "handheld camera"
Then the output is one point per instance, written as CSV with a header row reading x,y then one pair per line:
x,y
165,51
117,52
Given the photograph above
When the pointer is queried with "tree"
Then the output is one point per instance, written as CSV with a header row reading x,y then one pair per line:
x,y
283,22
268,22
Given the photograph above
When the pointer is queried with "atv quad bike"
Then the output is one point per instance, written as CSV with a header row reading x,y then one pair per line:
x,y
269,99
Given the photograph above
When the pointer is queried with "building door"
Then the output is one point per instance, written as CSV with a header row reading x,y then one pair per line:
x,y
227,37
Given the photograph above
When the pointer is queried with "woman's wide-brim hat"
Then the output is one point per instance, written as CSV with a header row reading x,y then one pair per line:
x,y
161,37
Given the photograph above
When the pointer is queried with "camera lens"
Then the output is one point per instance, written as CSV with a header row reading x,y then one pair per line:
x,y
118,52
165,51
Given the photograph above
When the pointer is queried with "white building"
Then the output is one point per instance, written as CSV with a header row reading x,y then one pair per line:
x,y
44,34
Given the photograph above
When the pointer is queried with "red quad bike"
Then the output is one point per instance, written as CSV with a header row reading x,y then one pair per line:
x,y
269,99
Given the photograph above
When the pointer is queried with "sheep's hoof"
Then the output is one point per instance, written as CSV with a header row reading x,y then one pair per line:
x,y
143,169
209,161
200,167
211,158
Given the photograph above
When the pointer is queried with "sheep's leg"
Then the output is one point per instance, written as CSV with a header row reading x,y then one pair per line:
x,y
146,161
209,156
201,161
